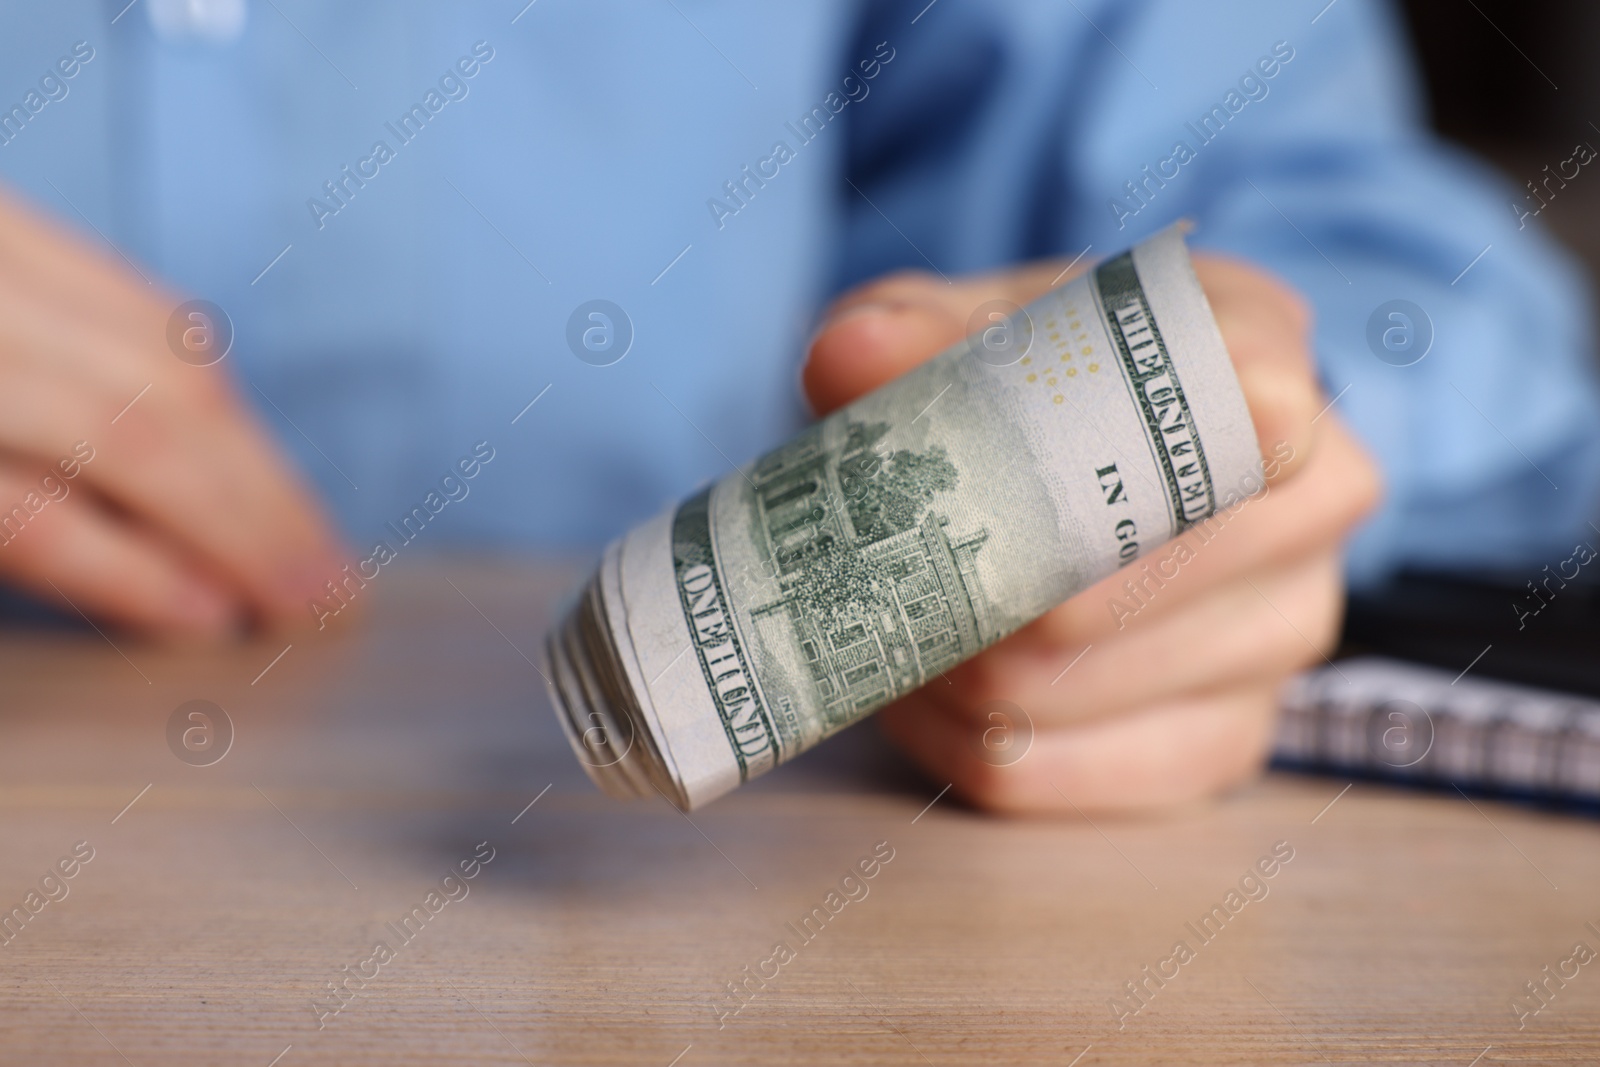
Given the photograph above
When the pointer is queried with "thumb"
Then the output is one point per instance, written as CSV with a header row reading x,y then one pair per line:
x,y
883,329
869,342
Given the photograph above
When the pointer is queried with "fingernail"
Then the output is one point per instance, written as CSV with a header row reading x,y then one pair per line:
x,y
859,311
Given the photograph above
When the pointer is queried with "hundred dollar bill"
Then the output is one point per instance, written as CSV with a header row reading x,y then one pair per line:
x,y
904,533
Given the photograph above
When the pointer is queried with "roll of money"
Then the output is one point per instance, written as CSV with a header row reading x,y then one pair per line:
x,y
905,532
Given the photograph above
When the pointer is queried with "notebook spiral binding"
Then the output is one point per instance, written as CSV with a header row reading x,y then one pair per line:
x,y
1383,718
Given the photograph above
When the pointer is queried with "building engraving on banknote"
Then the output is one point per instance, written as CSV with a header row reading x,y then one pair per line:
x,y
878,595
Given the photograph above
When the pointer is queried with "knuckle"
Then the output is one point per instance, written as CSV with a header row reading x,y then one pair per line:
x,y
1289,648
1232,749
1256,292
1072,623
1252,731
138,431
1000,790
1284,298
979,679
1291,304
1314,601
1364,487
204,388
1243,759
1343,484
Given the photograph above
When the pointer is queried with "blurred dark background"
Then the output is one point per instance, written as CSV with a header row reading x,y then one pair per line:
x,y
1519,84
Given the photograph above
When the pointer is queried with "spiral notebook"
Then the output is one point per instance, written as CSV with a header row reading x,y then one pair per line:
x,y
1385,718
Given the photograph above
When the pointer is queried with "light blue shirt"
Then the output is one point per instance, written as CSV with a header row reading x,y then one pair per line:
x,y
719,170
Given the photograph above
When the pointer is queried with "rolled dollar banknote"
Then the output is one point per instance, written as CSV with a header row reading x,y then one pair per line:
x,y
904,533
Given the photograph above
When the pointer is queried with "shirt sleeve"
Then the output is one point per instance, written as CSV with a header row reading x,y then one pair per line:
x,y
1453,332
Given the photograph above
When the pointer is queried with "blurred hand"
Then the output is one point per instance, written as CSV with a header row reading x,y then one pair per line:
x,y
1261,600
184,521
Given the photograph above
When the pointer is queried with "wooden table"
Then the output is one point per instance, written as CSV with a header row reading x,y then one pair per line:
x,y
222,900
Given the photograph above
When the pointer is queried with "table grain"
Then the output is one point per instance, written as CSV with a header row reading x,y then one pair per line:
x,y
369,761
